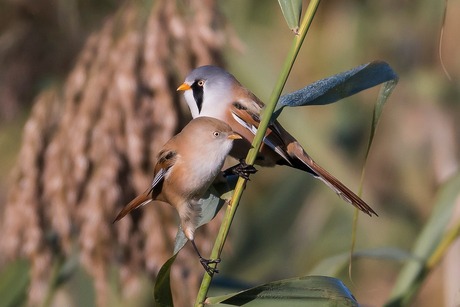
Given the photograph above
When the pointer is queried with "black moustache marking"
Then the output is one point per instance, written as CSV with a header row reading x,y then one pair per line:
x,y
197,94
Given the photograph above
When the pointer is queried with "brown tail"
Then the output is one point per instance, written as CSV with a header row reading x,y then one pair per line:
x,y
307,164
137,202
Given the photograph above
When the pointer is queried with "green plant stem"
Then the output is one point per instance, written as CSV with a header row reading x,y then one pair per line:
x,y
257,142
54,281
375,118
356,215
432,262
406,298
446,242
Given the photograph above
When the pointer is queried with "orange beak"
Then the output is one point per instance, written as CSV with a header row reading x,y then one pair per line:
x,y
235,136
184,87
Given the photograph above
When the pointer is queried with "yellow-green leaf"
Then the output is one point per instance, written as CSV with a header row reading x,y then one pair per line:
x,y
414,272
162,288
292,10
14,282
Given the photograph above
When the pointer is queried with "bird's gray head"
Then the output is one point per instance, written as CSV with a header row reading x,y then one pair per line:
x,y
207,90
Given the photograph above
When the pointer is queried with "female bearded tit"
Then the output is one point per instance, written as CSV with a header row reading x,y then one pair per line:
x,y
186,167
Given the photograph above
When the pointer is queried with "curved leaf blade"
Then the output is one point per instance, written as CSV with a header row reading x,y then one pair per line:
x,y
339,86
334,265
210,205
162,288
316,291
385,92
413,273
292,10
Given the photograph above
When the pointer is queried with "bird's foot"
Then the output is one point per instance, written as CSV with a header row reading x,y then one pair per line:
x,y
242,169
205,263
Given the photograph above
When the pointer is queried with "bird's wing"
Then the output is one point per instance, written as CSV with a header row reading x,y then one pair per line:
x,y
292,152
304,162
166,159
248,116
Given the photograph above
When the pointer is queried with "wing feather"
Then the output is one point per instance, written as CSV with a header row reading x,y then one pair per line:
x,y
251,122
166,159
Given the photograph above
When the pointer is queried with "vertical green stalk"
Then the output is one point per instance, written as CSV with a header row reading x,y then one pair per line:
x,y
448,239
251,157
407,296
356,215
385,91
53,285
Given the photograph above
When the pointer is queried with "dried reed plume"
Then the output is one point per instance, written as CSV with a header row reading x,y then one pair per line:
x,y
90,148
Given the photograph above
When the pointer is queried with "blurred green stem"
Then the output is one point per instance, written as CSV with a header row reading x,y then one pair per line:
x,y
446,242
375,118
266,115
406,298
356,215
54,281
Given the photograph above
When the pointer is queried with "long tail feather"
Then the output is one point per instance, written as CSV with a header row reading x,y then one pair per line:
x,y
317,171
137,202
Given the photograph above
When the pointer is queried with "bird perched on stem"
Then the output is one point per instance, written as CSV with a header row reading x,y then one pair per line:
x,y
213,92
186,167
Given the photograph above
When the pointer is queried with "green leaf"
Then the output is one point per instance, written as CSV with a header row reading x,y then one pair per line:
x,y
341,85
332,266
413,273
68,269
162,288
385,92
292,10
14,282
210,205
386,253
312,291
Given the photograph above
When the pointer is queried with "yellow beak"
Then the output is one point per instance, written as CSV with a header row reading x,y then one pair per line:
x,y
184,87
235,136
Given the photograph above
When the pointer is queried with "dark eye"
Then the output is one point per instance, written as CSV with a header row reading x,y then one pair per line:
x,y
200,83
216,134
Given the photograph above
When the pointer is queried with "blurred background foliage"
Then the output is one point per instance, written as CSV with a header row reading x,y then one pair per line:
x,y
288,222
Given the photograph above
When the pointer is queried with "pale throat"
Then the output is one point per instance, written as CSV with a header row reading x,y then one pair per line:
x,y
211,163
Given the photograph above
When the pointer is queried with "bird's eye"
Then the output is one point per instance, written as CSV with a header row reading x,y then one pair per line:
x,y
200,83
216,134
